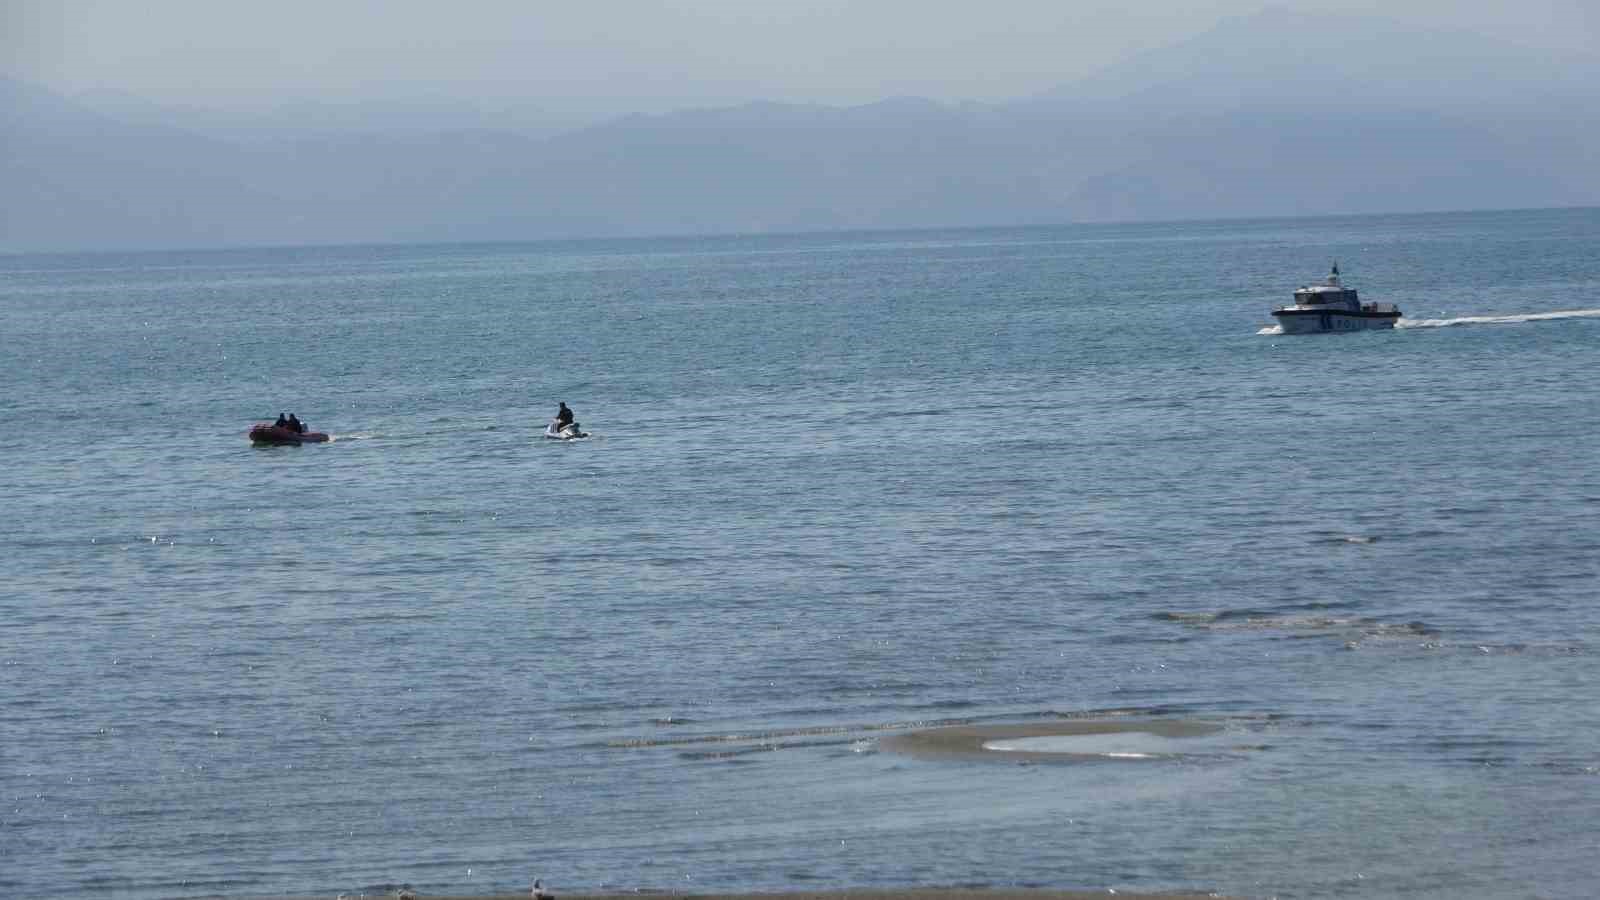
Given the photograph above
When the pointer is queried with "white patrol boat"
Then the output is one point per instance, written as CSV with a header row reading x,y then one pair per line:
x,y
1330,306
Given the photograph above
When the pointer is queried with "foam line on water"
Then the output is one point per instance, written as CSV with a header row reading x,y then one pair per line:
x,y
1500,320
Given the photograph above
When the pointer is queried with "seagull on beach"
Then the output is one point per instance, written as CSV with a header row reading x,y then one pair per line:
x,y
537,892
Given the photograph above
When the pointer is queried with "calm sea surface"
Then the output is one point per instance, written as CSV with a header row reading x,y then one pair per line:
x,y
839,486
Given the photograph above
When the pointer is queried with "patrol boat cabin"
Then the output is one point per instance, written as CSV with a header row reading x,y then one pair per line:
x,y
1330,306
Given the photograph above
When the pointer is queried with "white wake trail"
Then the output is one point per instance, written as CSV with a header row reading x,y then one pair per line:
x,y
1500,320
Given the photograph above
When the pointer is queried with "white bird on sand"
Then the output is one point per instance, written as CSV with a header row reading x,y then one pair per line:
x,y
537,892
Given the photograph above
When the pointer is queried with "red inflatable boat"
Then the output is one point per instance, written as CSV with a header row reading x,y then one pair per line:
x,y
277,434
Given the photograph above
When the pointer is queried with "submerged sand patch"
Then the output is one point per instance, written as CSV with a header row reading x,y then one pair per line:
x,y
1077,740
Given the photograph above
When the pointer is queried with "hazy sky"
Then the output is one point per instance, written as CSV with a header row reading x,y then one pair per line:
x,y
610,56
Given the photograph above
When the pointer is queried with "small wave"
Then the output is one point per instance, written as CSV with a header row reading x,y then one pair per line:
x,y
848,734
1271,329
1359,627
1027,743
1119,744
1515,319
1541,649
1198,618
762,738
913,413
750,749
1335,537
1570,767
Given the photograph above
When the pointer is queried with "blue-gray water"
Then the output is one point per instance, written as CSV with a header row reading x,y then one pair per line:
x,y
838,485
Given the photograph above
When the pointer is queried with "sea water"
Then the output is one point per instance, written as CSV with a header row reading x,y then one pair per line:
x,y
839,486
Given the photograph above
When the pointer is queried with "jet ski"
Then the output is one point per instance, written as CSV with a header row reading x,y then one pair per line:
x,y
268,433
556,431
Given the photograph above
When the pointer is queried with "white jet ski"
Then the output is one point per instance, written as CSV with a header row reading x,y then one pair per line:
x,y
569,432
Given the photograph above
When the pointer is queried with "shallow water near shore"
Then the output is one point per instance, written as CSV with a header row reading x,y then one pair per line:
x,y
839,488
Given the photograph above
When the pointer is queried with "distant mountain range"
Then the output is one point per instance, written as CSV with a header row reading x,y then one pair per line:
x,y
1273,114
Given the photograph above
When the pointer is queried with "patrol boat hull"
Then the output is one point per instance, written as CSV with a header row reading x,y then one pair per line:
x,y
1312,321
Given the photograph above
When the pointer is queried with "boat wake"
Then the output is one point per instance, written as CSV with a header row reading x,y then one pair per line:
x,y
1498,320
1514,319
